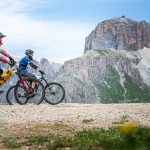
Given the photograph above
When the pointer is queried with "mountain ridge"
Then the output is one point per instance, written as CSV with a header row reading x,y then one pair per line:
x,y
104,74
119,33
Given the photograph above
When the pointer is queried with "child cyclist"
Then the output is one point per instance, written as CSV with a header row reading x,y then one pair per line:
x,y
24,62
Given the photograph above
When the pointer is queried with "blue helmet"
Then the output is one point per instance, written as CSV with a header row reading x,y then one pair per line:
x,y
29,51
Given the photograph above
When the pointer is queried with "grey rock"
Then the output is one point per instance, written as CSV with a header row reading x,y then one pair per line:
x,y
119,33
104,76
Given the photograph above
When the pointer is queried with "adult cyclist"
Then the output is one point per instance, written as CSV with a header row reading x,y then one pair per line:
x,y
3,59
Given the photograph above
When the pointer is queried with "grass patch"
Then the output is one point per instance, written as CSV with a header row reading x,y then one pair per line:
x,y
135,92
38,140
112,138
110,53
60,142
10,142
123,137
60,125
110,91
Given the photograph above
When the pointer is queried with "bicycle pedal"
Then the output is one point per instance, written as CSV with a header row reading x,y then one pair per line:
x,y
30,91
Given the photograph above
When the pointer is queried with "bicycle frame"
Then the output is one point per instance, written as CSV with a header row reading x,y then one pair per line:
x,y
42,78
22,80
5,76
53,92
24,85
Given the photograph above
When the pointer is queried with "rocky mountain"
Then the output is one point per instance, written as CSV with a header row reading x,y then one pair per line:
x,y
119,33
107,76
100,76
115,66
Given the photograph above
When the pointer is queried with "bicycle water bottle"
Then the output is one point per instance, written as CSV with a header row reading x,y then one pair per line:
x,y
5,76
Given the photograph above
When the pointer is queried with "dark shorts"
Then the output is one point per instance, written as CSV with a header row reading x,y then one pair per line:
x,y
27,74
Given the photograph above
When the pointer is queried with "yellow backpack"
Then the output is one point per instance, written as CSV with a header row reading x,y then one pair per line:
x,y
5,76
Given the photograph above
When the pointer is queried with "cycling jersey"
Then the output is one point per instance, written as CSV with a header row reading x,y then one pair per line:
x,y
3,59
24,63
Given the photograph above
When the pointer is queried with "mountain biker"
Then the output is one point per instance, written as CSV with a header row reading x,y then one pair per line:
x,y
24,62
3,59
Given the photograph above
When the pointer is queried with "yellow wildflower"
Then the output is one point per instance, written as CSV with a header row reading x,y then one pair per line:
x,y
127,127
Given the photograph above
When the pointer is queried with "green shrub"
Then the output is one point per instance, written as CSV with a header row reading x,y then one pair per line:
x,y
10,142
128,137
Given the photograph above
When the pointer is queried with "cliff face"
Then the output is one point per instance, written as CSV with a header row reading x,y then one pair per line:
x,y
104,76
101,76
120,34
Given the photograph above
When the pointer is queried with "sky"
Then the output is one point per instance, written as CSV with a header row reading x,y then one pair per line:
x,y
56,29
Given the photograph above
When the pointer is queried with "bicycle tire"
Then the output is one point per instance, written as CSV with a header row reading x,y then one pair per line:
x,y
10,96
31,97
50,96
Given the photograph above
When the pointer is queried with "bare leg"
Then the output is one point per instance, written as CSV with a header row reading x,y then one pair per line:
x,y
33,85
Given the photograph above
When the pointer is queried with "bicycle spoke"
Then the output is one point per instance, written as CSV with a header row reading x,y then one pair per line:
x,y
21,94
35,95
54,93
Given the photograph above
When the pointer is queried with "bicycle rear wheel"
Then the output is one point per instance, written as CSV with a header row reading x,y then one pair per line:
x,y
10,97
35,96
54,93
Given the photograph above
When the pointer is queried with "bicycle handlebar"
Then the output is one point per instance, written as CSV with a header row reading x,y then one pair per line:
x,y
42,72
12,63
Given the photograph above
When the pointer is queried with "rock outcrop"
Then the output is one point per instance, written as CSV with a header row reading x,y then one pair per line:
x,y
104,76
101,76
119,33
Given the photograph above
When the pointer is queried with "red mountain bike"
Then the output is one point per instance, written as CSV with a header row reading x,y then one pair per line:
x,y
23,92
54,92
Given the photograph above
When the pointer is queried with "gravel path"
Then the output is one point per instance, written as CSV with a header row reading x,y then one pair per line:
x,y
79,115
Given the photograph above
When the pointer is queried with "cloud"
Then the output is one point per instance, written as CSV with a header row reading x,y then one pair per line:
x,y
19,5
55,40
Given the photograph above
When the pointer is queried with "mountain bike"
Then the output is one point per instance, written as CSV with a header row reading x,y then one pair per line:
x,y
23,92
54,92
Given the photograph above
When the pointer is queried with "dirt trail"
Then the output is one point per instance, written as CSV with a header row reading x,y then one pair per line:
x,y
21,122
79,115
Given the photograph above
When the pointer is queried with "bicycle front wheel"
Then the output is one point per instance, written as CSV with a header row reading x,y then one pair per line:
x,y
54,93
35,96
